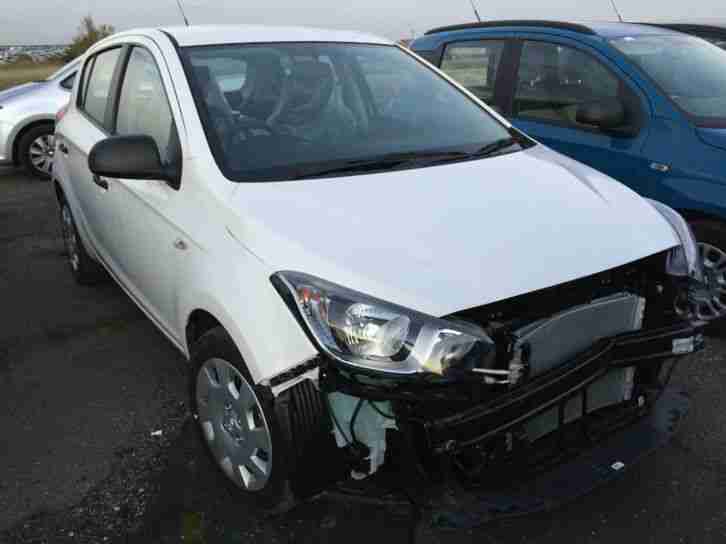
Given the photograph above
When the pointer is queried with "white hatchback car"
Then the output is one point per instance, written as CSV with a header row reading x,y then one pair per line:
x,y
371,272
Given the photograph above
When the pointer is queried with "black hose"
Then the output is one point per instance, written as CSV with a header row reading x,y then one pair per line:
x,y
381,412
353,419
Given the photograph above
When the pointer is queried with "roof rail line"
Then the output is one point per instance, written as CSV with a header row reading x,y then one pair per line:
x,y
574,27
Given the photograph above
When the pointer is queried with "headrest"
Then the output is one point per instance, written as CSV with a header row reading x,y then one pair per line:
x,y
310,87
312,71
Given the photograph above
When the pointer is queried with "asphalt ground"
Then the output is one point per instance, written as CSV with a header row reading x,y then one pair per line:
x,y
86,379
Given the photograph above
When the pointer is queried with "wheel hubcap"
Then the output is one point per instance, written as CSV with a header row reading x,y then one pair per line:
x,y
709,302
69,237
234,424
41,153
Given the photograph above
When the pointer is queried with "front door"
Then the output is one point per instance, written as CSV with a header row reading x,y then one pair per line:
x,y
149,243
552,81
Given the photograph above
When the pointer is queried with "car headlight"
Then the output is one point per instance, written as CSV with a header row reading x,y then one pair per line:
x,y
684,260
368,333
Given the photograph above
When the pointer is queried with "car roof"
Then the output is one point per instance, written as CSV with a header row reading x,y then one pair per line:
x,y
227,34
604,29
713,25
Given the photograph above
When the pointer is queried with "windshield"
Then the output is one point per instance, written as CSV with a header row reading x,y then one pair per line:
x,y
294,110
691,71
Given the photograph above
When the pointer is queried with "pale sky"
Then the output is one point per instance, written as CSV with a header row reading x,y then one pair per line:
x,y
55,21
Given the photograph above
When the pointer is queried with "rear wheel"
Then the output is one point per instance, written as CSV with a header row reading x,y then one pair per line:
x,y
85,270
238,425
36,149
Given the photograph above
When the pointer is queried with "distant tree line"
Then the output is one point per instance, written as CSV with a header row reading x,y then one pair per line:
x,y
88,34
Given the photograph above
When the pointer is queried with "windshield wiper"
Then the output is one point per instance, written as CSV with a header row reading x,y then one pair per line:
x,y
495,147
385,162
394,161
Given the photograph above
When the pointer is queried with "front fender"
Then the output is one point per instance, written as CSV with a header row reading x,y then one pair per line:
x,y
235,288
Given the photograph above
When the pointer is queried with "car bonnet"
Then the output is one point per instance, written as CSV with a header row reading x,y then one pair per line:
x,y
445,238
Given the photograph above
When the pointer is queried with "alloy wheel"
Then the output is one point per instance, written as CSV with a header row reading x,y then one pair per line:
x,y
233,424
41,152
708,302
70,237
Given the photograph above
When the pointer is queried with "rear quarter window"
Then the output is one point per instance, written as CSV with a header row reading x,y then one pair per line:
x,y
67,83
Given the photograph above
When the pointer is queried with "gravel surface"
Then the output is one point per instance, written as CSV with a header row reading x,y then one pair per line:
x,y
88,382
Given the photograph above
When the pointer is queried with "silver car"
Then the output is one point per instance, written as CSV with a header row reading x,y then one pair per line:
x,y
27,120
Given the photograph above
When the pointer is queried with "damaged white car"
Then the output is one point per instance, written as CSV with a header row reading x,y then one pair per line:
x,y
375,277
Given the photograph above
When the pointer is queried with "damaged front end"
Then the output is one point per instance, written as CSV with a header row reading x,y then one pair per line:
x,y
492,400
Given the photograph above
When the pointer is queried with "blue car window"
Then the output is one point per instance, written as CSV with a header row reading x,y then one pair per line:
x,y
475,65
691,71
553,80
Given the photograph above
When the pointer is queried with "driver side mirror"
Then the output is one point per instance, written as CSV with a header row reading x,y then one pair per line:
x,y
130,157
605,114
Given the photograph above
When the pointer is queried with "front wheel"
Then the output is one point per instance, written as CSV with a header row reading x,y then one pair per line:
x,y
239,427
711,303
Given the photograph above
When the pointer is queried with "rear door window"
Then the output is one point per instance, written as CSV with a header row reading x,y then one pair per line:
x,y
475,65
97,86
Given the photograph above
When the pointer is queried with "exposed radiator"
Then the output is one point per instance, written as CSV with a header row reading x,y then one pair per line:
x,y
550,342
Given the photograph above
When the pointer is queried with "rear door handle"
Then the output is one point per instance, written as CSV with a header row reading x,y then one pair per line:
x,y
102,183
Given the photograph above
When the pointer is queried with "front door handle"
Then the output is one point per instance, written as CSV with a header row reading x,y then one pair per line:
x,y
98,180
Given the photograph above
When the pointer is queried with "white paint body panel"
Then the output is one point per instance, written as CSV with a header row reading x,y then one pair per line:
x,y
438,239
451,237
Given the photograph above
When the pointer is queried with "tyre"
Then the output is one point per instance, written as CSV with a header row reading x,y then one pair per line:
x,y
238,424
85,270
35,150
711,237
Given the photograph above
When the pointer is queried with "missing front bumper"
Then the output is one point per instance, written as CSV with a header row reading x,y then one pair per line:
x,y
553,390
569,480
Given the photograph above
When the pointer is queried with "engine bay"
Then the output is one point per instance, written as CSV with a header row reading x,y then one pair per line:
x,y
573,364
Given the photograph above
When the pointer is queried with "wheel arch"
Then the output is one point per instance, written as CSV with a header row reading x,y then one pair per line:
x,y
199,322
20,132
207,316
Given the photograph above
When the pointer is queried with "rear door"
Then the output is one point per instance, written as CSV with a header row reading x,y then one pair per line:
x,y
90,123
551,79
477,64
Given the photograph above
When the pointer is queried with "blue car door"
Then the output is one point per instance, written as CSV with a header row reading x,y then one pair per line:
x,y
552,79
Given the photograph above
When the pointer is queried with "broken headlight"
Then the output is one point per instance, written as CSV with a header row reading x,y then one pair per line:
x,y
684,260
368,333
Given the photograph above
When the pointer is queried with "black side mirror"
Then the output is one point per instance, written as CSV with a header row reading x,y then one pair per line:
x,y
606,114
130,157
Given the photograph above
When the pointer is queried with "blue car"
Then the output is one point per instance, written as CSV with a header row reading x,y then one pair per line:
x,y
643,104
